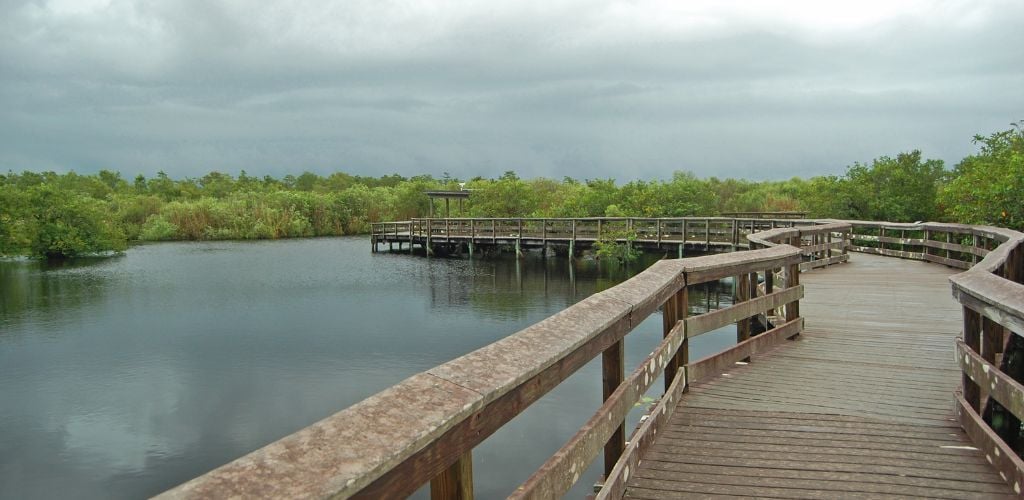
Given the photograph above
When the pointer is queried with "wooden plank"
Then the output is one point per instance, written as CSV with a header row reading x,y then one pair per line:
x,y
996,452
739,476
714,267
613,367
557,475
992,296
456,482
699,325
643,439
997,384
716,363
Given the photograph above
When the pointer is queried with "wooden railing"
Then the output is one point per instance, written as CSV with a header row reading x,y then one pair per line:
x,y
424,428
992,296
706,230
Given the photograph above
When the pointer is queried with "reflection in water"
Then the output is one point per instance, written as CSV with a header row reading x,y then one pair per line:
x,y
123,377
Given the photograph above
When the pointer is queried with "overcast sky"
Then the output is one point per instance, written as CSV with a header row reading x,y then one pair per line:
x,y
631,89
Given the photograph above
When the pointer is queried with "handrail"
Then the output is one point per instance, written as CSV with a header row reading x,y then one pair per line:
x,y
425,427
991,294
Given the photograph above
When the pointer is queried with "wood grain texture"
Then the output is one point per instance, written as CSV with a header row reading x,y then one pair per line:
x,y
861,406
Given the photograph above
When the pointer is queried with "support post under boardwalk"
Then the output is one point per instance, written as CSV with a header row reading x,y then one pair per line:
x,y
613,372
456,482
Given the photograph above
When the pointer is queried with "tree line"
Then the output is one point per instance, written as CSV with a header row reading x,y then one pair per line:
x,y
64,215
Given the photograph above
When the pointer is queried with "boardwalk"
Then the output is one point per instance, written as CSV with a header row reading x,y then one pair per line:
x,y
859,406
868,401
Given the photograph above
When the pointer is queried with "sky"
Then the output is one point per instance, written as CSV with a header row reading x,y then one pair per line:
x,y
587,89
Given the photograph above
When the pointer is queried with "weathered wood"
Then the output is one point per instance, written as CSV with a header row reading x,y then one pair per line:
x,y
716,363
564,468
996,452
1007,391
643,439
718,449
456,482
742,286
699,325
613,363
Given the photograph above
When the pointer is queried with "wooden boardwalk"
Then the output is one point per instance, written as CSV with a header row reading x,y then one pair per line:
x,y
859,406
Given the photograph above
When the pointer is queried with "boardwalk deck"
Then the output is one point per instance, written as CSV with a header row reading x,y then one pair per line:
x,y
859,406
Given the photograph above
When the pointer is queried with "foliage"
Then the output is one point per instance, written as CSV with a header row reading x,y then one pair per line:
x,y
609,248
50,214
988,188
70,224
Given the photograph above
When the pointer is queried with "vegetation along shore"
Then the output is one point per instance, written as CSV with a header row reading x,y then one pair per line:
x,y
65,215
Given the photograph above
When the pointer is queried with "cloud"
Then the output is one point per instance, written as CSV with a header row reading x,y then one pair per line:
x,y
623,89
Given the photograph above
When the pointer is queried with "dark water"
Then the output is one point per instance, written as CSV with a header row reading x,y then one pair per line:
x,y
120,378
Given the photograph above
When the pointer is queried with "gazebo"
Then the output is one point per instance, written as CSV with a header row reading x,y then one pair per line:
x,y
447,196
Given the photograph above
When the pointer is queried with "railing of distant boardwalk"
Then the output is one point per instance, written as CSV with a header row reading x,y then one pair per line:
x,y
706,230
991,404
424,428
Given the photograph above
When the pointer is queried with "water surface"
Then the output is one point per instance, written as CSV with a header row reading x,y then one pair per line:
x,y
120,378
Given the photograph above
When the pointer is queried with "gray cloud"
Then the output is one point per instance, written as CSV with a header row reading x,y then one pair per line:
x,y
621,89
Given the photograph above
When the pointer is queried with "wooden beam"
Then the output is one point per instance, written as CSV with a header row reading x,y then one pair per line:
x,y
456,482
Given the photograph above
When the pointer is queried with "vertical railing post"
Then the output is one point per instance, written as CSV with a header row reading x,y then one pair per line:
x,y
742,295
456,482
975,244
613,372
792,280
669,317
972,338
991,345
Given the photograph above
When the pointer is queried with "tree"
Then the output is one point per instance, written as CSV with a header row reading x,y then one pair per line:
x,y
901,189
69,224
988,187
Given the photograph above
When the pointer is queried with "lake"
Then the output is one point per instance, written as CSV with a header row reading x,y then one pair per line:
x,y
122,377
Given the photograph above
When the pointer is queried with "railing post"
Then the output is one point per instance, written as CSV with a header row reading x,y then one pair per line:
x,y
974,256
674,310
792,280
991,345
613,372
742,295
972,338
456,482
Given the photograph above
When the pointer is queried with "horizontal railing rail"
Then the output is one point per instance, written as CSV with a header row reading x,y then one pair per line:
x,y
424,428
